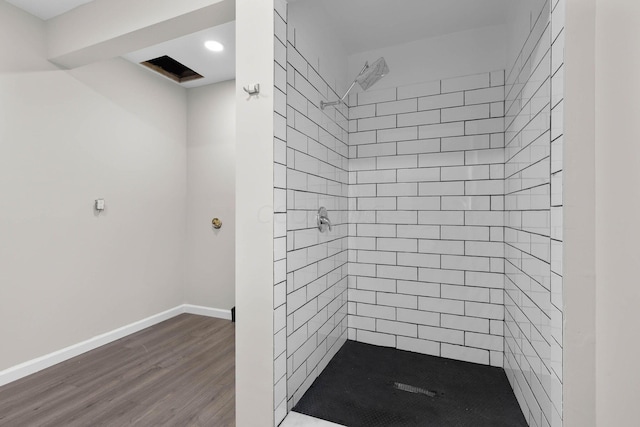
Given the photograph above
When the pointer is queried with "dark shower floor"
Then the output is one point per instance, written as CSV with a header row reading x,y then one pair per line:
x,y
359,388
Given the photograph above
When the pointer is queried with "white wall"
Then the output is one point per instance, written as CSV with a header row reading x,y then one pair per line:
x,y
451,55
254,215
211,161
317,174
426,245
617,171
313,37
533,234
29,54
521,15
67,138
601,211
579,349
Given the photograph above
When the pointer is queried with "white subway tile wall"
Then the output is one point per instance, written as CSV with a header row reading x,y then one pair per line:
x,y
533,219
427,193
316,166
280,212
446,200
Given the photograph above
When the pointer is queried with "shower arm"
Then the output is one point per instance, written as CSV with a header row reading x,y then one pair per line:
x,y
324,105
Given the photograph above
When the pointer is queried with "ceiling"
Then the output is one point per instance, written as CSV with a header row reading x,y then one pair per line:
x,y
189,50
47,9
361,25
364,25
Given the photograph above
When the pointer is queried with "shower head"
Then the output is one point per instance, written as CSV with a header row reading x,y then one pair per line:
x,y
369,75
372,73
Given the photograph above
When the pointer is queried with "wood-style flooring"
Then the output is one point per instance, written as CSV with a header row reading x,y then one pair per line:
x,y
180,372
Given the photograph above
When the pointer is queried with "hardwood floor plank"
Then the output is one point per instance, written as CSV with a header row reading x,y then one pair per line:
x,y
180,372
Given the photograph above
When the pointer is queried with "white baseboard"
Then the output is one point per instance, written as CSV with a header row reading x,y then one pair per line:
x,y
32,366
207,311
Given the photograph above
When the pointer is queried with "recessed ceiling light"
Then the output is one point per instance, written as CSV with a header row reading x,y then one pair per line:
x,y
214,46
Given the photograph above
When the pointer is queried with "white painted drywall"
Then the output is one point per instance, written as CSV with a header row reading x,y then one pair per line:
x,y
452,55
66,138
254,214
617,172
211,163
579,341
601,379
521,18
28,54
311,28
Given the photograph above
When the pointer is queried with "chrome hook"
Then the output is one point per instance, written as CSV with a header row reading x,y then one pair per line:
x,y
252,91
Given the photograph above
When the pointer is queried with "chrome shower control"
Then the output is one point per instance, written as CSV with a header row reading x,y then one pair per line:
x,y
323,220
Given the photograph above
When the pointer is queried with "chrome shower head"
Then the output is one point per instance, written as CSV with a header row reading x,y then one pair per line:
x,y
372,73
369,75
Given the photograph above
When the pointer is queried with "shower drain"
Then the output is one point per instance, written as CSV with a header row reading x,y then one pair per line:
x,y
413,389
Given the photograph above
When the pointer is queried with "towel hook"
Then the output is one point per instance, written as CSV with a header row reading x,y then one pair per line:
x,y
252,91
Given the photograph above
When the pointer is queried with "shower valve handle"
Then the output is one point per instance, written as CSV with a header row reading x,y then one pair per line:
x,y
323,219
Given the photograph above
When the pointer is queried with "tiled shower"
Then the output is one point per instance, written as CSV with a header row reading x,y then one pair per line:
x,y
446,202
427,193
